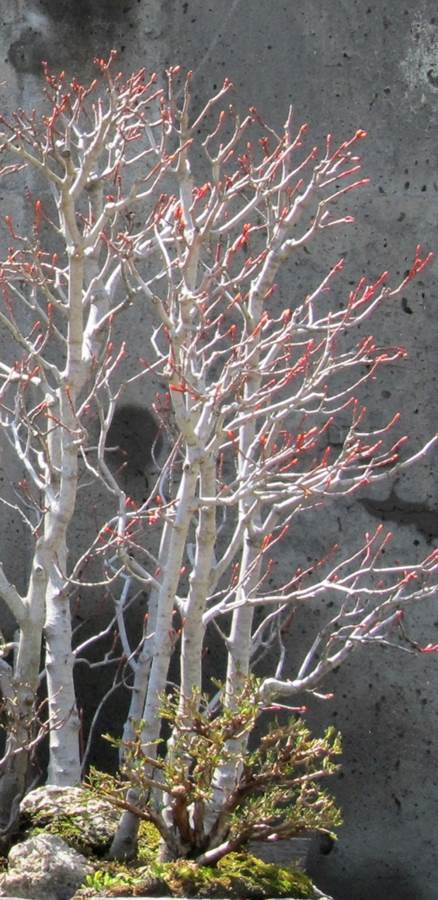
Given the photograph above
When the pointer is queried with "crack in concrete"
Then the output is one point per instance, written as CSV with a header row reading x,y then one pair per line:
x,y
216,38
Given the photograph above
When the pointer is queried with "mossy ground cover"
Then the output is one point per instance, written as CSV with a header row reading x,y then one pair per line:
x,y
73,833
238,875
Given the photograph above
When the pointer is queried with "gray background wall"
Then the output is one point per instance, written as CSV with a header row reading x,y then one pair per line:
x,y
343,64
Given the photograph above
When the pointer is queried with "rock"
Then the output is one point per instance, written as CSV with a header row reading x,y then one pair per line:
x,y
291,852
44,868
85,822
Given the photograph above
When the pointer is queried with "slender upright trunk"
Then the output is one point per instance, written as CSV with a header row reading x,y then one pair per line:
x,y
64,761
124,842
238,666
143,662
239,640
64,767
192,638
23,687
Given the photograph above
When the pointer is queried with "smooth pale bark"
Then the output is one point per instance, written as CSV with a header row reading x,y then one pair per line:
x,y
14,778
239,642
144,659
238,666
23,685
124,842
152,668
175,232
64,767
192,611
192,638
64,760
46,602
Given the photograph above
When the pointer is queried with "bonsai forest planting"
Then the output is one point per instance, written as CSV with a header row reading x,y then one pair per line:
x,y
138,205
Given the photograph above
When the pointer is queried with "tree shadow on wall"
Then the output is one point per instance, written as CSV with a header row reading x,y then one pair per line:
x,y
69,33
378,881
60,10
133,446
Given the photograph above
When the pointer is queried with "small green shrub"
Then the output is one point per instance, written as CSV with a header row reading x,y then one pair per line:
x,y
277,792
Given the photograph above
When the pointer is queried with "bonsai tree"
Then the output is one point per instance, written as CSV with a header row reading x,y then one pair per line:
x,y
191,214
275,794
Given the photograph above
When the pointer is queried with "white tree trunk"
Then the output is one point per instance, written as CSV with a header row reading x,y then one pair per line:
x,y
124,841
193,632
62,470
64,767
29,612
239,646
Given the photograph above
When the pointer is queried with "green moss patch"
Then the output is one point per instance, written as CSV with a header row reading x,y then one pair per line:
x,y
68,828
238,875
83,821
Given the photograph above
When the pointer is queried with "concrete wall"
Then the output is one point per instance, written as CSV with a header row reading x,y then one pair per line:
x,y
343,64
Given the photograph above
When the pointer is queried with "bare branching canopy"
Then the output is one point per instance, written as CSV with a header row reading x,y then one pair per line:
x,y
190,214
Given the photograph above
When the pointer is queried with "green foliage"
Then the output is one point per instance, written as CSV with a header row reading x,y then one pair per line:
x,y
111,879
148,843
237,875
277,789
279,783
107,879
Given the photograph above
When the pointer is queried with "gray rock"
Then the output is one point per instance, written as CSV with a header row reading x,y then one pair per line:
x,y
293,852
44,868
93,821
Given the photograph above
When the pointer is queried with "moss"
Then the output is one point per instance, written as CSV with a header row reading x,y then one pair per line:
x,y
67,828
109,880
73,834
268,879
148,843
238,875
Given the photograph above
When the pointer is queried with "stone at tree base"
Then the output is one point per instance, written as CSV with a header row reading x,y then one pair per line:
x,y
44,868
95,821
292,852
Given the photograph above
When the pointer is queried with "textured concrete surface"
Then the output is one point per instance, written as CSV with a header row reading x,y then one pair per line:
x,y
373,65
343,64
